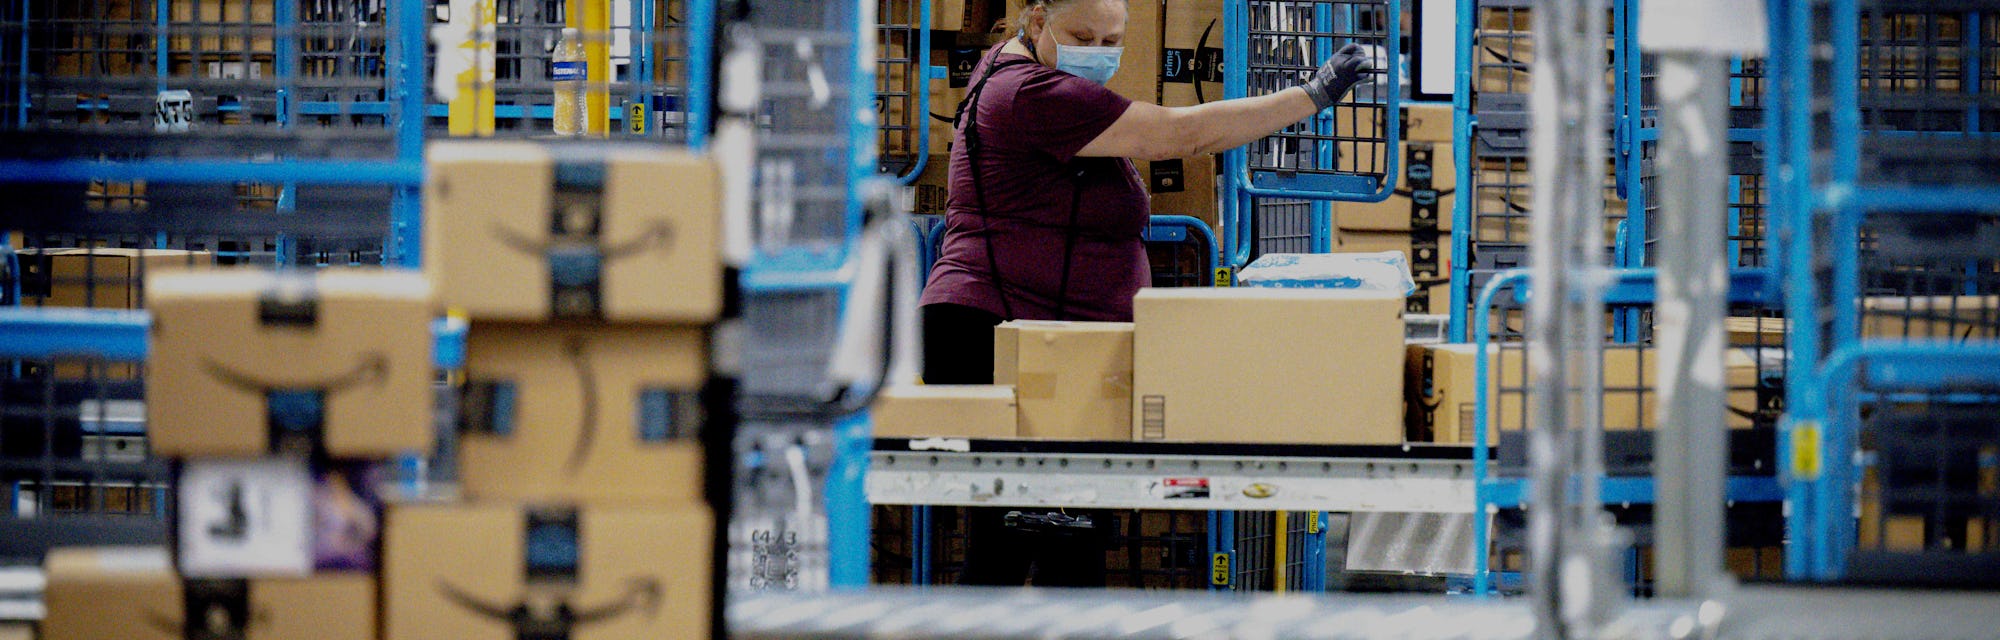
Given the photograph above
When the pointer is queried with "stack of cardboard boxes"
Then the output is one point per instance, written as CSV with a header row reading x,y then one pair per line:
x,y
590,279
280,395
589,275
1285,366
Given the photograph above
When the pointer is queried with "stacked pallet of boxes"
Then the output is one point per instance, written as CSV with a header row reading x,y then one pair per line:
x,y
590,278
280,396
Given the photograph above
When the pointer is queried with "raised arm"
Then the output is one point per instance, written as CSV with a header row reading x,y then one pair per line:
x,y
1152,132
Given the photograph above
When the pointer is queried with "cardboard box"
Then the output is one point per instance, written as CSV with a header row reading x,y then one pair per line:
x,y
1756,332
1442,385
500,571
227,344
645,251
1073,379
1426,151
1138,76
1185,187
941,410
1507,185
1930,317
583,414
1191,56
1755,563
1267,365
102,277
132,593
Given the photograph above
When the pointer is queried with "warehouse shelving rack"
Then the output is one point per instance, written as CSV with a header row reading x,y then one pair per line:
x,y
1882,197
1345,153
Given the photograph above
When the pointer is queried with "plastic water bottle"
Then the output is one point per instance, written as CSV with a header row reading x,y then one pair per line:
x,y
570,70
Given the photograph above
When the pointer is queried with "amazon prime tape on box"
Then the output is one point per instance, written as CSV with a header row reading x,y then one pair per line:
x,y
525,232
334,363
576,413
495,571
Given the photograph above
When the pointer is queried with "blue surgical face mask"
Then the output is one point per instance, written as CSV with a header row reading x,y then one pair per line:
x,y
1096,64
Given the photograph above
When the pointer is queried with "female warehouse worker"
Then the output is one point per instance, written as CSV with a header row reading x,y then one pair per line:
x,y
1046,213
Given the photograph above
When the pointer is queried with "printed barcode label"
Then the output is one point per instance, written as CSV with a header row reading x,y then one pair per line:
x,y
1466,429
1153,417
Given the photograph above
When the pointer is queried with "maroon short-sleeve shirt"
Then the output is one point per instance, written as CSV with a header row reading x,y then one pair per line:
x,y
1043,206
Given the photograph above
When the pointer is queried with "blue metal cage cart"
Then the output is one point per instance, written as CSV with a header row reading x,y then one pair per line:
x,y
1348,152
1492,211
1882,199
903,94
153,135
1501,411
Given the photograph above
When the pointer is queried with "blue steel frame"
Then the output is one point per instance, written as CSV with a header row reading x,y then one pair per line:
x,y
923,73
1235,77
1818,435
1625,145
1630,287
1240,185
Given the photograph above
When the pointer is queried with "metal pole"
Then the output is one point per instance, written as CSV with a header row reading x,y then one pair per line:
x,y
1693,441
1569,570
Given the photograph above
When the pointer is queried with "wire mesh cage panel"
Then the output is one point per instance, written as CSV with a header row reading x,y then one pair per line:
x,y
1747,198
901,79
1282,225
1258,544
805,152
1923,95
1182,252
1343,152
644,90
1928,504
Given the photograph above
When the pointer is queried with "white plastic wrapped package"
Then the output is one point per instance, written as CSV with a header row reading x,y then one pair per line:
x,y
1384,271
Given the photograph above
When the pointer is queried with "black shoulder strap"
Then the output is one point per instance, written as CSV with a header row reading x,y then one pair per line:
x,y
967,119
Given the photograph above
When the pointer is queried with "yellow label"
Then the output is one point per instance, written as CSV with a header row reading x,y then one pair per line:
x,y
1219,571
1312,522
1222,276
1806,451
636,118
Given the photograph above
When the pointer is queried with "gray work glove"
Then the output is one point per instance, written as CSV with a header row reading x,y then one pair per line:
x,y
1348,67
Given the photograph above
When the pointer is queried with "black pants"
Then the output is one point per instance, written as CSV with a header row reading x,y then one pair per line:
x,y
999,555
958,349
958,344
